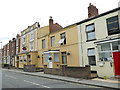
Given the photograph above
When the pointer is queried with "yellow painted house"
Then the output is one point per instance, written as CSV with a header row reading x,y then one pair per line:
x,y
28,47
59,47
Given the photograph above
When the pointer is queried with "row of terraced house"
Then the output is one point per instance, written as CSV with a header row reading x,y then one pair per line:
x,y
94,41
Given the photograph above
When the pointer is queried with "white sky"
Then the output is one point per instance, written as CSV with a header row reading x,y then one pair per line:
x,y
17,15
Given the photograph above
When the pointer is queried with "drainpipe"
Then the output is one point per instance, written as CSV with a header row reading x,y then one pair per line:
x,y
81,46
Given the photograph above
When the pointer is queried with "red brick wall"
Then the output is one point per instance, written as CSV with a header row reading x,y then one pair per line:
x,y
9,48
14,47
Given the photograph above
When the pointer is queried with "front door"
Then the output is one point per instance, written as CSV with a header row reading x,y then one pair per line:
x,y
17,64
116,57
50,61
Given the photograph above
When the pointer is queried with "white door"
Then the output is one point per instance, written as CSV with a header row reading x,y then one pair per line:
x,y
50,61
50,65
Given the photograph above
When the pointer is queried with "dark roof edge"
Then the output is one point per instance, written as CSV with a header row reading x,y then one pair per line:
x,y
116,9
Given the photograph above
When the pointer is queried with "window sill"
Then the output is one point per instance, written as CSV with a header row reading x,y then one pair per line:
x,y
92,65
63,45
90,40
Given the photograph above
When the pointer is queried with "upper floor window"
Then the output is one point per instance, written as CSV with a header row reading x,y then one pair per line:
x,y
63,39
113,25
53,41
17,43
90,31
16,49
24,59
24,39
32,35
43,43
32,45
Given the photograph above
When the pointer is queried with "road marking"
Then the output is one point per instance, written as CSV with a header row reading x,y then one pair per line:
x,y
11,77
45,86
36,84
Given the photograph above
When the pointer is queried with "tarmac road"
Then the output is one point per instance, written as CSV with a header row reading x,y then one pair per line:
x,y
17,80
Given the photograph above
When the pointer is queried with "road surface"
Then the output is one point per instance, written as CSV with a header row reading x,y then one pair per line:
x,y
17,80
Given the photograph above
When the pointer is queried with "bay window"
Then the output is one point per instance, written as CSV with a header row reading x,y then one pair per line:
x,y
105,50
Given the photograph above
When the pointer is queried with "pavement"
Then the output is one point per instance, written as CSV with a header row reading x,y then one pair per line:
x,y
108,83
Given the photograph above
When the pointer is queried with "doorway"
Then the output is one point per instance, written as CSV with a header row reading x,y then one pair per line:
x,y
17,62
116,56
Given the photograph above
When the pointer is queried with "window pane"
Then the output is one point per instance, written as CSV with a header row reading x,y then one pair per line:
x,y
91,52
46,57
61,41
64,58
90,28
62,35
104,47
52,41
91,35
106,56
43,43
56,57
92,60
115,45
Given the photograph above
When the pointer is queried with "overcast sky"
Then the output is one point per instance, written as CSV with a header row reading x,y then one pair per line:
x,y
17,15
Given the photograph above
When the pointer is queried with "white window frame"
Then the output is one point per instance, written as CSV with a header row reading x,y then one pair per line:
x,y
43,44
90,29
32,45
52,41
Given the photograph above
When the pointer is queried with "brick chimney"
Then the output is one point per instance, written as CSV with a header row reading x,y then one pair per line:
x,y
13,38
9,41
92,11
50,24
17,35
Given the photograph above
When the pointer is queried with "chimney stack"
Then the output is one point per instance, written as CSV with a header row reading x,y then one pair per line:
x,y
13,38
50,24
17,35
92,11
9,41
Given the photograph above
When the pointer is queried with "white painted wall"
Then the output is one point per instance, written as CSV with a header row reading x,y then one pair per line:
x,y
101,34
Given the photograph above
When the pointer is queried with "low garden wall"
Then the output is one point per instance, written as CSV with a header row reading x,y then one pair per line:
x,y
29,68
77,72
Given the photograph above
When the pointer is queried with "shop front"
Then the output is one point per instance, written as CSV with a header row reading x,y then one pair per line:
x,y
108,57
